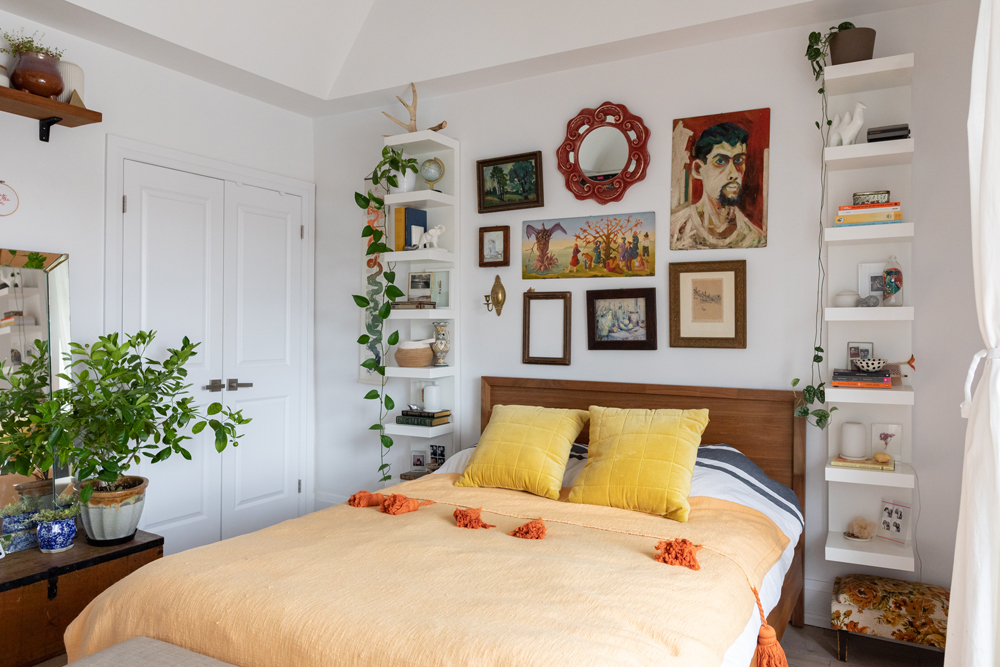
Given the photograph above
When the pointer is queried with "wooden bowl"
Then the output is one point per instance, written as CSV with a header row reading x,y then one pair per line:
x,y
418,358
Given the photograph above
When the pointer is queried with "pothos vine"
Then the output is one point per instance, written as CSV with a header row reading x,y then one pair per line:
x,y
378,299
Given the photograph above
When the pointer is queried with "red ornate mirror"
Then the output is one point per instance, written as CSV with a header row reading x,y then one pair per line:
x,y
604,153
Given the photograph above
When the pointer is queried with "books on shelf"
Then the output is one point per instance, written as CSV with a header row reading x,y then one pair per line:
x,y
422,421
13,313
863,464
894,205
425,414
868,214
861,379
408,224
413,305
17,320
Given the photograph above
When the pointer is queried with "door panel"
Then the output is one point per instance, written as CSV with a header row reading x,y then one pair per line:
x,y
172,283
263,302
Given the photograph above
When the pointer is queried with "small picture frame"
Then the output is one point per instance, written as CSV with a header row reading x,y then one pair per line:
x,y
494,246
429,286
621,319
708,304
859,351
888,438
894,521
547,332
418,460
437,454
510,182
870,280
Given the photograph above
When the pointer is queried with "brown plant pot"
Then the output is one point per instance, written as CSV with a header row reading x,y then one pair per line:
x,y
852,45
37,74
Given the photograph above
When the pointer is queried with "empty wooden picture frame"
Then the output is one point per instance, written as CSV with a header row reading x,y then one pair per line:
x,y
494,246
547,328
708,304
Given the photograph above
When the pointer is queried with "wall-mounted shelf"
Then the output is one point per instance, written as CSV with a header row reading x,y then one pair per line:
x,y
424,373
902,477
438,255
864,234
891,72
424,314
47,112
898,395
864,156
424,141
27,331
419,431
422,199
879,314
18,292
877,553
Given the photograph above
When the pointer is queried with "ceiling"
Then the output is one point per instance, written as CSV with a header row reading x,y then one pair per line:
x,y
321,57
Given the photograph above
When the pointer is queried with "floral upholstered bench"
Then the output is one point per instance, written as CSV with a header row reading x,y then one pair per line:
x,y
906,611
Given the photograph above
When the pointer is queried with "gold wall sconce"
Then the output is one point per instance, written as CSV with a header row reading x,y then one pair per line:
x,y
496,298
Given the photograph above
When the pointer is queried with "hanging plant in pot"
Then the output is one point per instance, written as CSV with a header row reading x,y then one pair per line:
x,y
36,66
121,405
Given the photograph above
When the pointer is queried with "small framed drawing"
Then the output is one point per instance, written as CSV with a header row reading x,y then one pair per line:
x,y
708,304
889,437
494,246
429,286
870,281
859,351
418,459
621,319
546,336
510,182
894,521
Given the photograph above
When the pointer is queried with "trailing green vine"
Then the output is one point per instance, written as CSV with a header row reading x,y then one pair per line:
x,y
815,392
381,291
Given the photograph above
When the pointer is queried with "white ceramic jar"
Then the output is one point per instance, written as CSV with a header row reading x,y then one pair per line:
x,y
72,76
853,441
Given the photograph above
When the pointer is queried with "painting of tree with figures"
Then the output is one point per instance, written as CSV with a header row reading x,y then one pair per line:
x,y
612,246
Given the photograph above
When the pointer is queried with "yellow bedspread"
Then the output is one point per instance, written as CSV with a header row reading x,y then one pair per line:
x,y
354,587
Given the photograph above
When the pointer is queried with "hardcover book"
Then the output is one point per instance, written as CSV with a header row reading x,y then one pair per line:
x,y
863,464
404,220
869,216
430,415
422,421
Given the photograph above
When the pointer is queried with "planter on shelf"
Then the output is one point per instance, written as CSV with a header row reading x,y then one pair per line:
x,y
852,45
407,182
72,76
56,536
18,522
38,74
19,541
109,516
40,490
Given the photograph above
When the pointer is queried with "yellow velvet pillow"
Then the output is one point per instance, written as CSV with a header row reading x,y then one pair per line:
x,y
641,460
525,448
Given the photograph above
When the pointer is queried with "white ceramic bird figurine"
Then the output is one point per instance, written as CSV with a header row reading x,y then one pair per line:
x,y
849,131
833,136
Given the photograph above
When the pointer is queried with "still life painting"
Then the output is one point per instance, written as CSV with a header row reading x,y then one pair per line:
x,y
621,319
510,182
718,181
615,246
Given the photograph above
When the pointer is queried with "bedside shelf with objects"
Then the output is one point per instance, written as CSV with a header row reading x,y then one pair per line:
x,y
870,328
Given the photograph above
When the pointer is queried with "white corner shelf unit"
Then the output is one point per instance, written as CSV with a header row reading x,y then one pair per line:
x,y
31,331
443,208
884,85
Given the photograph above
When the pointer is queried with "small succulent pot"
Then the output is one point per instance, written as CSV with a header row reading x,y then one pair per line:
x,y
18,522
19,541
56,536
38,74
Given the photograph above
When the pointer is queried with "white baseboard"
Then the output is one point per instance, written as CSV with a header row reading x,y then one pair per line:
x,y
818,620
324,500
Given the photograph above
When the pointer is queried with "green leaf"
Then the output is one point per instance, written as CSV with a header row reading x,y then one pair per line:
x,y
817,125
369,364
363,339
386,441
380,370
802,411
214,409
367,231
375,427
394,292
820,395
390,276
385,310
809,394
386,478
817,349
372,394
376,235
85,493
361,200
393,338
361,301
795,382
817,359
389,403
162,455
383,467
846,25
199,427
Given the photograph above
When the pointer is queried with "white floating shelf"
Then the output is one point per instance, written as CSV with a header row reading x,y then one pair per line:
x,y
424,314
888,233
877,553
424,141
879,314
419,431
423,255
18,292
422,199
423,373
862,156
28,331
876,74
902,477
898,395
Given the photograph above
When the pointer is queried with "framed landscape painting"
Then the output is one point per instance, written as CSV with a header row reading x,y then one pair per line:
x,y
509,183
708,304
612,246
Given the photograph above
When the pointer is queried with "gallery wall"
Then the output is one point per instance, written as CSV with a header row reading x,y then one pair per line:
x,y
766,70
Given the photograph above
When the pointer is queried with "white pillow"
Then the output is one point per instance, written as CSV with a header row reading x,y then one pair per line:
x,y
574,467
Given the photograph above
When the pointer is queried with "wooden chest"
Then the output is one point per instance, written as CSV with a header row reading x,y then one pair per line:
x,y
41,594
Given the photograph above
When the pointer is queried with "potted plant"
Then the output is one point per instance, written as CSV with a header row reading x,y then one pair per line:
x,y
57,528
36,66
402,171
19,516
121,405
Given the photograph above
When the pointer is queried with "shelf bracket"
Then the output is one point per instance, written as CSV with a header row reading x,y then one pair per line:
x,y
43,127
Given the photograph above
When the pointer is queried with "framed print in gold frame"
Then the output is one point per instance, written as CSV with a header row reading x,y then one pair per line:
x,y
708,304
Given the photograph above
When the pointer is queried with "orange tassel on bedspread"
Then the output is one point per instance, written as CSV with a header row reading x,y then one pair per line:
x,y
683,552
365,499
533,530
470,518
397,503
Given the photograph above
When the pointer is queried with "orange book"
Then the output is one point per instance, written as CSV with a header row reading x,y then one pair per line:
x,y
862,207
866,385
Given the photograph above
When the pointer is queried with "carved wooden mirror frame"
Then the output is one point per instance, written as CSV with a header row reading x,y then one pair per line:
x,y
607,115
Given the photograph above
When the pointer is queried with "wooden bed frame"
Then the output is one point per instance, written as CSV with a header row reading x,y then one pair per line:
x,y
758,422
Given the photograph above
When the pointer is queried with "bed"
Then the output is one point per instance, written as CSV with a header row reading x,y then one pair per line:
x,y
352,586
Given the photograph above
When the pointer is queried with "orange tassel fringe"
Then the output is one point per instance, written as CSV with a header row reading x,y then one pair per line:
x,y
365,499
533,530
683,552
397,503
470,518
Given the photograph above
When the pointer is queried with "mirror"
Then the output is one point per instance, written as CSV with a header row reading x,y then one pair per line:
x,y
34,303
603,154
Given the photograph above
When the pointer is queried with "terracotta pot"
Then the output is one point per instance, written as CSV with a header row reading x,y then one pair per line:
x,y
113,515
850,46
37,74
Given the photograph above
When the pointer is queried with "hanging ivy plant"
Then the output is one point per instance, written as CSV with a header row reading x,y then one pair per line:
x,y
381,291
814,393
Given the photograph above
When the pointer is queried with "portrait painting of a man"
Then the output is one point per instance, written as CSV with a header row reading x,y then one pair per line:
x,y
718,192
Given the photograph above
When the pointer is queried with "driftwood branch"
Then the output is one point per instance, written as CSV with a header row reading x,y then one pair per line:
x,y
412,108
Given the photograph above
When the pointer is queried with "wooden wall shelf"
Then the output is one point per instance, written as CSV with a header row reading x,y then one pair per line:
x,y
47,112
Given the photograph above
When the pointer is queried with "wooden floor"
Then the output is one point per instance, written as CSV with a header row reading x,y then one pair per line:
x,y
817,647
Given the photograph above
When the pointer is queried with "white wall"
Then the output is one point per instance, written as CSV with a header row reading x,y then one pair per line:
x,y
61,183
759,71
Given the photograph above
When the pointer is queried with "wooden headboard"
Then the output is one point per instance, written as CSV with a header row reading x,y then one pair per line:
x,y
758,422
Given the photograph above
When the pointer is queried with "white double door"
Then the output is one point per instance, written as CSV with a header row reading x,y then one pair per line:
x,y
219,263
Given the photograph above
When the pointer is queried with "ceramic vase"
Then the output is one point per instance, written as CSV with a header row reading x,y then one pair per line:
x,y
37,74
442,342
850,46
56,536
19,522
72,75
892,276
853,441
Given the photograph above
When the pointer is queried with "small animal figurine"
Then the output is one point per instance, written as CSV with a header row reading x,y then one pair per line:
x,y
849,131
833,136
429,239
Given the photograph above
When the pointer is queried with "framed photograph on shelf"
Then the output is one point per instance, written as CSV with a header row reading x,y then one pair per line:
x,y
708,304
621,319
510,182
418,459
546,334
859,351
494,246
888,438
419,286
870,280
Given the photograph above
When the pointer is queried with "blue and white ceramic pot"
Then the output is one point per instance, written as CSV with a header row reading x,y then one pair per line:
x,y
56,536
25,539
19,522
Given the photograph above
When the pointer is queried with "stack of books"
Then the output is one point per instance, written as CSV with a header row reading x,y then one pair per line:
x,y
864,464
868,214
9,321
862,379
422,418
412,305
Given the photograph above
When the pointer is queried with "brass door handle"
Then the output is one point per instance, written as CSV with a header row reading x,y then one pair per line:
x,y
214,385
234,384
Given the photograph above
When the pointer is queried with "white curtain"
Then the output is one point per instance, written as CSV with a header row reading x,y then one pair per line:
x,y
974,619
